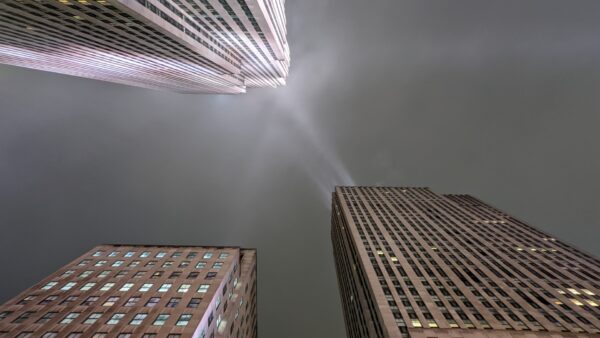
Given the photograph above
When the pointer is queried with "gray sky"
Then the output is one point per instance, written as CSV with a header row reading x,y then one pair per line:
x,y
498,99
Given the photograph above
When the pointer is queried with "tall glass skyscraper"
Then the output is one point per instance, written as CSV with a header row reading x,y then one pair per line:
x,y
412,263
190,46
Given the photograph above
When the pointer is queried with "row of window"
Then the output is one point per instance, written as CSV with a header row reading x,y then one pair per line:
x,y
92,318
135,263
138,274
165,287
53,334
161,254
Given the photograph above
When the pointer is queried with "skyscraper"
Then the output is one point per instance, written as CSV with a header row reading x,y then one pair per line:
x,y
412,263
191,46
122,291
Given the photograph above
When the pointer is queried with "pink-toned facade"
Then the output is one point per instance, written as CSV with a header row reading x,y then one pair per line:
x,y
126,291
189,46
413,263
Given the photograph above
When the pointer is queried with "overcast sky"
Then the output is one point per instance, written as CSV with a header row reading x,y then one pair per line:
x,y
497,99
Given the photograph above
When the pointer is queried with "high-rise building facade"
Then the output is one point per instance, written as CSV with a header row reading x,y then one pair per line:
x,y
123,291
412,263
190,46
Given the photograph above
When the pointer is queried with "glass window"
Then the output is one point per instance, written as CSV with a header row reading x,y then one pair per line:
x,y
125,335
100,263
100,335
138,319
111,301
23,317
130,254
161,319
68,286
24,334
218,265
211,275
152,301
175,274
139,274
173,302
49,334
87,286
203,288
115,319
70,318
134,263
48,299
191,255
75,335
184,264
103,274
176,254
47,317
161,254
194,302
27,299
146,287
90,300
200,265
69,299
207,255
67,273
117,263
107,286
86,273
193,275
132,301
165,287
149,335
184,319
145,254
167,264
97,253
49,285
84,262
92,318
157,274
150,263
113,254
223,255
126,287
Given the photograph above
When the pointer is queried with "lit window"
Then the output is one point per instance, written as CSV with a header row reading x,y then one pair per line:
x,y
129,253
92,318
161,319
87,286
68,286
132,301
49,285
184,288
223,255
152,301
416,323
207,255
573,291
126,287
111,301
165,287
117,263
591,302
115,319
46,318
70,318
432,323
576,302
161,254
184,320
100,263
588,292
200,265
146,287
107,286
203,288
145,254
138,319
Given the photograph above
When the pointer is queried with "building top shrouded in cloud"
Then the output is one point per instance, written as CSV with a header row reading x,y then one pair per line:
x,y
189,46
413,263
123,291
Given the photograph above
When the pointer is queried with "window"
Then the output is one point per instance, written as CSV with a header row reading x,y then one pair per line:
x,y
223,255
69,300
184,264
184,319
175,274
49,334
160,254
4,314
100,335
138,319
167,264
23,317
75,335
176,254
149,335
103,274
218,265
124,335
111,301
145,254
194,302
92,318
191,255
173,302
47,317
193,275
126,287
27,299
139,274
49,285
129,253
86,273
70,318
150,263
87,286
90,300
165,287
113,254
174,335
184,288
203,288
146,287
134,263
115,319
24,334
100,263
157,274
68,286
121,273
67,273
200,265
84,262
107,286
152,301
132,301
207,255
161,319
97,253
211,275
